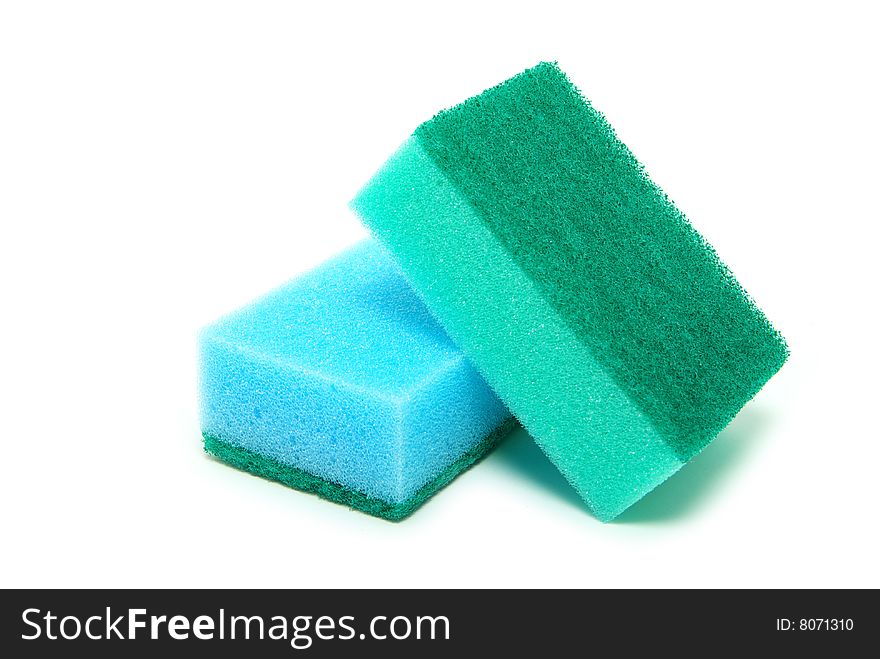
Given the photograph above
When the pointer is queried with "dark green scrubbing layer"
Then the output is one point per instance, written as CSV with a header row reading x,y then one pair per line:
x,y
274,470
586,299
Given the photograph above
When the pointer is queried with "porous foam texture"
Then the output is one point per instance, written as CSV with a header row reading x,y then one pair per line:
x,y
342,384
583,295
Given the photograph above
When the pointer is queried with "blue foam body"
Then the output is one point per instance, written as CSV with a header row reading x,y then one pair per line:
x,y
344,374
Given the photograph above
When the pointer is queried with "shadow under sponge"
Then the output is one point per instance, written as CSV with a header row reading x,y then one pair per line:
x,y
340,383
586,299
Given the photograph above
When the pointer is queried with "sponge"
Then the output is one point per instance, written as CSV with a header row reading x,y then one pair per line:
x,y
586,299
340,383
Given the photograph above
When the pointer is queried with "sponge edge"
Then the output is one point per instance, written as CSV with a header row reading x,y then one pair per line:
x,y
274,470
340,383
586,299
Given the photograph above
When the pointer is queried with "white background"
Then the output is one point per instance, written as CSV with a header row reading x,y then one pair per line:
x,y
162,163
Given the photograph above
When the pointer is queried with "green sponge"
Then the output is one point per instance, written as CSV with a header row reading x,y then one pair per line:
x,y
582,294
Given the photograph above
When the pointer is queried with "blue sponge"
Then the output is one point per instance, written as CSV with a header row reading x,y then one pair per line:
x,y
341,383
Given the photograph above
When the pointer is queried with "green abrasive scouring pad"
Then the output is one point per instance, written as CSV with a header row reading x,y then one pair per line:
x,y
286,474
590,304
